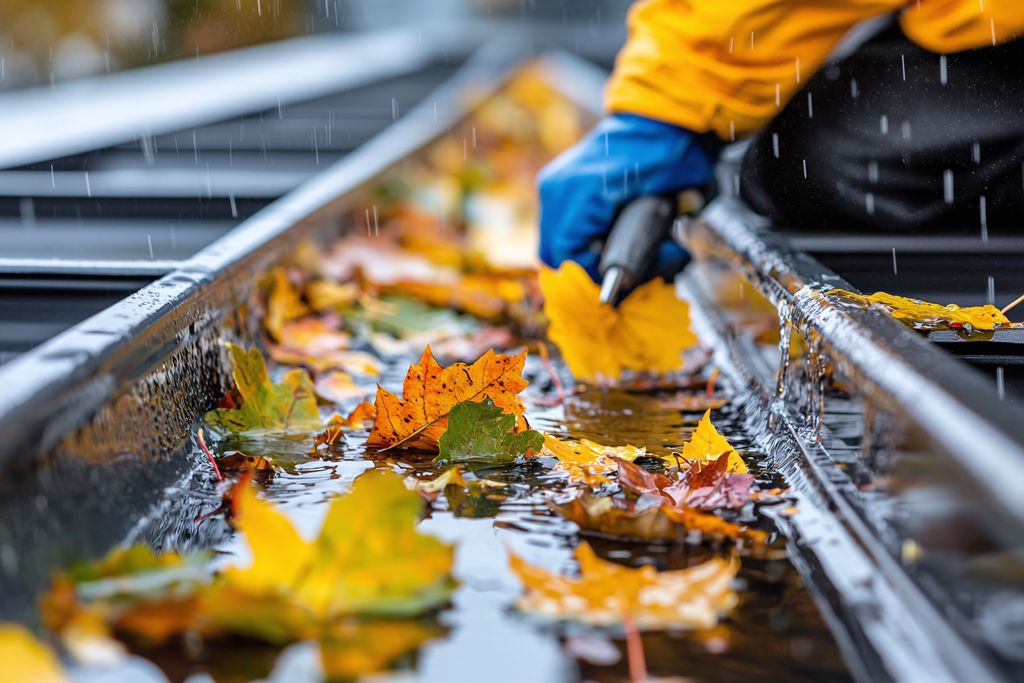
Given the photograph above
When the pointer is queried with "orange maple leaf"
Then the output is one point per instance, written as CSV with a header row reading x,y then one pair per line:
x,y
430,392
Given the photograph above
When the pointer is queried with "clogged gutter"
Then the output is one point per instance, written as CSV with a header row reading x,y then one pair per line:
x,y
348,497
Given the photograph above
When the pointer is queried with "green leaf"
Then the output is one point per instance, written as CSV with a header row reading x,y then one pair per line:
x,y
480,433
266,406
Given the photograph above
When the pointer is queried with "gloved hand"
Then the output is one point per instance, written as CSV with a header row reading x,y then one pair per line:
x,y
623,157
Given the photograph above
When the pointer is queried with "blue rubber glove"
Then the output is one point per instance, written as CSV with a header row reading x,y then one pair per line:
x,y
623,157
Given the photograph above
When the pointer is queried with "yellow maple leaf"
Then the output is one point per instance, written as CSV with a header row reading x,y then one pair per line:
x,y
588,461
25,659
430,392
707,444
605,592
368,560
926,315
647,333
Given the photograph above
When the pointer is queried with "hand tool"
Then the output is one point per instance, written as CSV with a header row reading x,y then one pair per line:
x,y
632,244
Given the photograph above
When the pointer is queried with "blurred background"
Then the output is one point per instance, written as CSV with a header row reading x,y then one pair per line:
x,y
57,40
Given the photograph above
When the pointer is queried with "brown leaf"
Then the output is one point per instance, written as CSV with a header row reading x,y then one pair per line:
x,y
638,480
647,521
620,518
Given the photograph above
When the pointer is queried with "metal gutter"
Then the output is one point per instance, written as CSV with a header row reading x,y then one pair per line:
x,y
916,462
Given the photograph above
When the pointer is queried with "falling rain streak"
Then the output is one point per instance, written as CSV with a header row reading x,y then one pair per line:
x,y
983,217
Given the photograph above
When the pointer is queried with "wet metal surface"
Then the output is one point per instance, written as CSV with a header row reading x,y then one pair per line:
x,y
775,634
910,448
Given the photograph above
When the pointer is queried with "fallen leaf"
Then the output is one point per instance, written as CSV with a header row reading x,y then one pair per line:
x,y
381,262
123,563
640,481
283,303
706,485
706,442
338,387
466,348
713,527
132,591
481,433
619,518
154,622
430,392
26,660
408,318
652,519
368,560
361,417
710,485
926,315
648,332
324,295
482,296
586,461
605,592
266,406
356,362
312,336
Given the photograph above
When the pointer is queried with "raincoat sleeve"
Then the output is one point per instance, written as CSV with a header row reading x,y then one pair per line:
x,y
728,66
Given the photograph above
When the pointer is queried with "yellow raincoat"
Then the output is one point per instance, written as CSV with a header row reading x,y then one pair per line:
x,y
729,66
